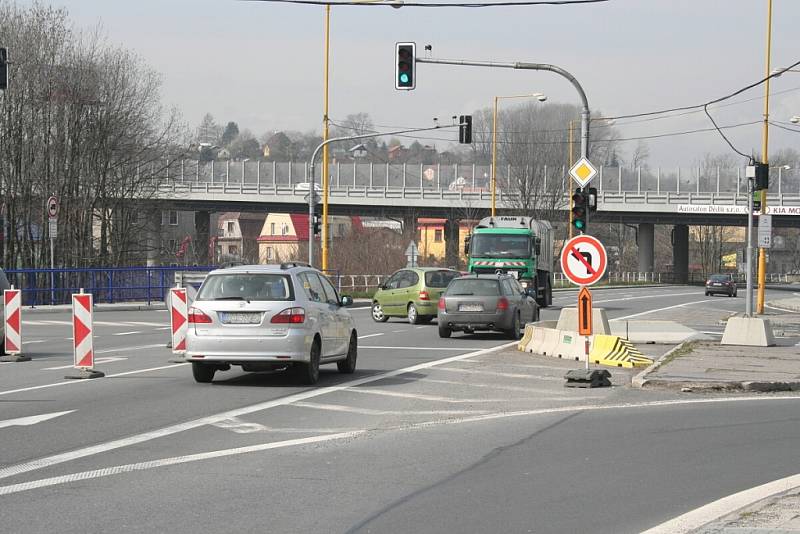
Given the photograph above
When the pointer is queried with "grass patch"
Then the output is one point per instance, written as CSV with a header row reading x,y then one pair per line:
x,y
686,348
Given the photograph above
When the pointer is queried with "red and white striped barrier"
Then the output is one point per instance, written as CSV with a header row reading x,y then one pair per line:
x,y
82,339
180,319
12,303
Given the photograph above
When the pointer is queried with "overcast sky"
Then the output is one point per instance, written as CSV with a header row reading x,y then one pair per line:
x,y
260,64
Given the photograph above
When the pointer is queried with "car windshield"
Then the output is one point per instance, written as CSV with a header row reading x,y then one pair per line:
x,y
720,278
500,246
440,278
246,286
477,287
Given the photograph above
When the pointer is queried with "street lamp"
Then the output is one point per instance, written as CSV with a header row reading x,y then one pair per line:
x,y
541,97
397,4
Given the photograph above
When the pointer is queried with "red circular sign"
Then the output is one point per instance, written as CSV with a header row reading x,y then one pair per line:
x,y
583,260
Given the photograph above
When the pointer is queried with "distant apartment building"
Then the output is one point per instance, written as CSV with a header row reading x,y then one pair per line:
x,y
431,241
284,236
237,237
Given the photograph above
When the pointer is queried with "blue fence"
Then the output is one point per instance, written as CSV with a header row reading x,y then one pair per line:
x,y
125,284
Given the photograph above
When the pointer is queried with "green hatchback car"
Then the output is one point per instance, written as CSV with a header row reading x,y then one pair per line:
x,y
412,293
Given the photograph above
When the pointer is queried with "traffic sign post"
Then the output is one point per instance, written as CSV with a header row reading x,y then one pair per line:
x,y
583,260
52,215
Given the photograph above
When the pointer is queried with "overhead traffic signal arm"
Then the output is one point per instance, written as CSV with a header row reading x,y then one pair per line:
x,y
405,66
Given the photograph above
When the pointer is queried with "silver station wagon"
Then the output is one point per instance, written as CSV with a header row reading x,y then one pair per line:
x,y
269,317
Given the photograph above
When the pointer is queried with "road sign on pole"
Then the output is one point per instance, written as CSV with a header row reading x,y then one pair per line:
x,y
585,312
765,231
582,172
52,207
583,260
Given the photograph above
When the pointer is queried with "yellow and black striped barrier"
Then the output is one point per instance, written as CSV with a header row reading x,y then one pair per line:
x,y
616,352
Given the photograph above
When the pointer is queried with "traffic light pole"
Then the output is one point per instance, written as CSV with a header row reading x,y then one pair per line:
x,y
531,66
312,191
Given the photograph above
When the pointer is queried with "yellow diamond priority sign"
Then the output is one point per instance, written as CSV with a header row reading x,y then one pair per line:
x,y
582,172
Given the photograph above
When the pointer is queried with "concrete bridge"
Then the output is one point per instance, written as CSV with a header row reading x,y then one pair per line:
x,y
643,197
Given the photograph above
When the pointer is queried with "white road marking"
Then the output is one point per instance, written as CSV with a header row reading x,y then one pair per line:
x,y
662,309
139,347
140,323
164,328
32,420
495,373
370,411
780,309
522,389
142,466
97,361
420,396
31,342
69,382
780,485
370,335
722,507
240,427
418,348
210,420
126,333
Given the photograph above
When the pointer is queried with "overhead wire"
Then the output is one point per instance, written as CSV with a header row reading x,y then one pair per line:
x,y
401,3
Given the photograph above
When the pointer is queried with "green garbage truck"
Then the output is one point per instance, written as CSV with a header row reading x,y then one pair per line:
x,y
518,245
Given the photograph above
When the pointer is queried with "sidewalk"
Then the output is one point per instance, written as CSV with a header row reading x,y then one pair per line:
x,y
707,366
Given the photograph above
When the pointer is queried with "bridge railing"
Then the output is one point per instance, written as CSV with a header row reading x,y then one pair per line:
x,y
471,176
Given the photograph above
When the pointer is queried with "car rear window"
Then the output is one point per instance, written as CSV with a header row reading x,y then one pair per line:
x,y
720,278
246,286
474,287
440,278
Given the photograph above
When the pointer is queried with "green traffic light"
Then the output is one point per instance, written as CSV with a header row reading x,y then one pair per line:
x,y
579,225
404,78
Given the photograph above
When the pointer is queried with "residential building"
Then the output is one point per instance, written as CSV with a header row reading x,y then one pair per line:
x,y
237,237
284,236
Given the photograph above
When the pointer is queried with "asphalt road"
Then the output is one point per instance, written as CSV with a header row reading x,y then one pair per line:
x,y
429,435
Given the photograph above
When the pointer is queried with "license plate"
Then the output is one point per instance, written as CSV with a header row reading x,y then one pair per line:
x,y
470,308
240,318
716,284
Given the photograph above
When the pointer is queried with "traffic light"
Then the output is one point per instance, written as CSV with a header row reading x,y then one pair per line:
x,y
405,66
317,224
465,129
3,69
762,176
579,208
591,199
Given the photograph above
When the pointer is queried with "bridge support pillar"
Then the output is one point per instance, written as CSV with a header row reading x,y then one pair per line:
x,y
202,224
680,253
646,244
451,227
410,226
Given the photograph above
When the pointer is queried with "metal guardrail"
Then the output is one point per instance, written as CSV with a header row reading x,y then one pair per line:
x,y
108,285
148,284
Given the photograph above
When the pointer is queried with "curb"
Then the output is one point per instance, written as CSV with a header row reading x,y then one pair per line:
x,y
640,380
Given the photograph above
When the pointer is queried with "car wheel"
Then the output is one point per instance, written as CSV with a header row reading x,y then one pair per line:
x,y
707,293
377,313
413,315
203,372
513,333
444,331
348,365
308,373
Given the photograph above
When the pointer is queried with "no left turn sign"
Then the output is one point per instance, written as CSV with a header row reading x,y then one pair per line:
x,y
583,260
